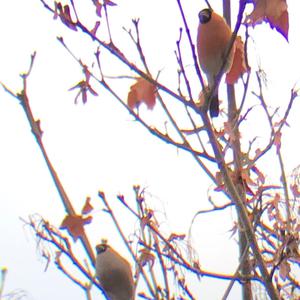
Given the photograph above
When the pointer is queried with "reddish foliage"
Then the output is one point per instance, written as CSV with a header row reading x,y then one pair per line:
x,y
175,236
284,269
74,224
260,175
145,220
94,30
65,15
272,11
142,92
87,208
239,66
146,257
295,190
277,140
98,7
109,3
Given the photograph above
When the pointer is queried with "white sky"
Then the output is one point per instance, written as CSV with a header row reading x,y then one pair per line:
x,y
98,146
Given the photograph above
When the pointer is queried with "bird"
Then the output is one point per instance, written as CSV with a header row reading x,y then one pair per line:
x,y
114,273
213,41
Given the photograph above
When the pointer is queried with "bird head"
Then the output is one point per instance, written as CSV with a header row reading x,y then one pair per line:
x,y
102,247
205,15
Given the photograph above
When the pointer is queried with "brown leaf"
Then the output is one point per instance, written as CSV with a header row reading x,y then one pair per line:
x,y
277,141
275,202
94,30
295,190
142,92
57,9
98,7
239,66
145,220
272,11
284,269
65,15
87,208
247,178
260,175
175,236
202,96
74,224
109,3
146,257
257,153
220,182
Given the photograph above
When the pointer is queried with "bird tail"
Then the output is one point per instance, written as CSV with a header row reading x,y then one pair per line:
x,y
214,105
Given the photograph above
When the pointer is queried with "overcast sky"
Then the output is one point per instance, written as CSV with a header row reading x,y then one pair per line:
x,y
98,145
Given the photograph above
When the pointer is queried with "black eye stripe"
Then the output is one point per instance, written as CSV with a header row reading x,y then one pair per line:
x,y
204,15
101,248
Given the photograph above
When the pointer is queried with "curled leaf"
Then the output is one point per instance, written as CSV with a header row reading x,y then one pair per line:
x,y
272,11
65,15
146,257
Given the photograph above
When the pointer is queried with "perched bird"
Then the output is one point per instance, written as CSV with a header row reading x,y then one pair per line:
x,y
213,41
114,273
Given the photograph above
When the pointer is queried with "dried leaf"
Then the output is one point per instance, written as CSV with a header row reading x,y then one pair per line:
x,y
57,9
74,224
247,178
87,208
295,190
281,123
277,141
146,257
94,30
284,269
239,66
276,200
146,219
109,3
260,175
65,15
202,96
220,182
142,92
272,11
175,236
98,7
292,248
258,152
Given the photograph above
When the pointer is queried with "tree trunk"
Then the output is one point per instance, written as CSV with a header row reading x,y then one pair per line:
x,y
245,267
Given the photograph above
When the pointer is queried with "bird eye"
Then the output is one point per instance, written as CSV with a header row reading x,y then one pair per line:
x,y
204,15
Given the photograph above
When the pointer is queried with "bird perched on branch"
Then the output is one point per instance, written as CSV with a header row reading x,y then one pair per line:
x,y
114,273
213,41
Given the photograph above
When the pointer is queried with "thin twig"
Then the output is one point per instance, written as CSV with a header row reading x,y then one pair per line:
x,y
120,231
37,132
